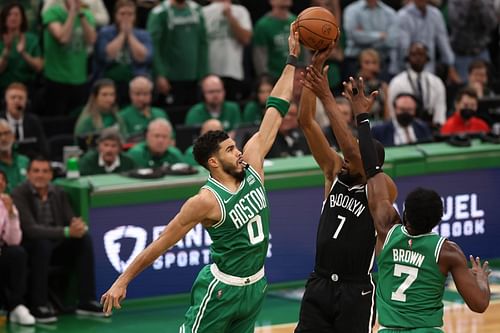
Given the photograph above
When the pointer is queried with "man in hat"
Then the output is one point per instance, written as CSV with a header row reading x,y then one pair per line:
x,y
108,158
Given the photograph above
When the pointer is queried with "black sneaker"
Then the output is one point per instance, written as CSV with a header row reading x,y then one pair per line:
x,y
44,314
90,308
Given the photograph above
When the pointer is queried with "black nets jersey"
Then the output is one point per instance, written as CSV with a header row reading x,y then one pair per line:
x,y
346,237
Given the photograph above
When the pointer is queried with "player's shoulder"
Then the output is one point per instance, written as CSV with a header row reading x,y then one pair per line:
x,y
451,253
201,203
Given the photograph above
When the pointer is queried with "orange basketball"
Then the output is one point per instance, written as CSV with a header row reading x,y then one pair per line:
x,y
317,28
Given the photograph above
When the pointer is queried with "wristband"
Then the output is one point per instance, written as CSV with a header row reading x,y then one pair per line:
x,y
292,60
279,104
66,232
360,118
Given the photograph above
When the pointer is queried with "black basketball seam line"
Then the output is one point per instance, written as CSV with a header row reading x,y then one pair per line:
x,y
316,19
322,37
304,27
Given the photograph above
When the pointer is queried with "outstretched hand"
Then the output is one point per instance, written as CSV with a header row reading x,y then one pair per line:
x,y
479,270
354,91
320,56
317,81
112,298
293,40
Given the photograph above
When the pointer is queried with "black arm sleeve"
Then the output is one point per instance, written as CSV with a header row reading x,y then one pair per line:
x,y
366,146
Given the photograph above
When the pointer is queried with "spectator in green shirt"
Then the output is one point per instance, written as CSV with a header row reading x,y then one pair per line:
x,y
101,111
140,113
158,149
20,55
69,29
108,157
209,125
14,165
214,106
180,58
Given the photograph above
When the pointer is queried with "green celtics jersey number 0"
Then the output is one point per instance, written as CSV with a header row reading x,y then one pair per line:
x,y
241,237
410,285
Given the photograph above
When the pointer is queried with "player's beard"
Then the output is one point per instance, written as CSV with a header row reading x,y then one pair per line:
x,y
230,169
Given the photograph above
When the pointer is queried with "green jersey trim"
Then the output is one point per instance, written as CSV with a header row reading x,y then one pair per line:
x,y
222,187
204,304
221,205
389,235
438,248
403,229
256,174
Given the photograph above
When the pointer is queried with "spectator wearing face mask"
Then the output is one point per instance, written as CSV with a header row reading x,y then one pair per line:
x,y
465,119
404,128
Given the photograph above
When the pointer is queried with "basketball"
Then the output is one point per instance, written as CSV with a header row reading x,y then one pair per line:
x,y
317,28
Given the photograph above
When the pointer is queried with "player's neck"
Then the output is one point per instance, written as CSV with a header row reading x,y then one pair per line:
x,y
411,231
229,181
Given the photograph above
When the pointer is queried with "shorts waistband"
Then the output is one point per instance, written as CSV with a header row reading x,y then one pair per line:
x,y
380,328
339,277
236,280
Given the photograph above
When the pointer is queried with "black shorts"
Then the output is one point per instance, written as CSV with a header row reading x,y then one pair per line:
x,y
336,307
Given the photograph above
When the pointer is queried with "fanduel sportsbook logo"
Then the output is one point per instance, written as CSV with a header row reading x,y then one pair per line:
x,y
113,245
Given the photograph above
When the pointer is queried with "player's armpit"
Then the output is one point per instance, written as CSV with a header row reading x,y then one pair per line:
x,y
384,218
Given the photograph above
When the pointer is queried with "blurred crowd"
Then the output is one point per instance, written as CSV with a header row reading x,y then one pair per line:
x,y
130,84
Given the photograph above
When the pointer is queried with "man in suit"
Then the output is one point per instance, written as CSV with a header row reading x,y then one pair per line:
x,y
28,130
404,128
52,233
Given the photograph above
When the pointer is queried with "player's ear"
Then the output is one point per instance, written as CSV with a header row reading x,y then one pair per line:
x,y
212,162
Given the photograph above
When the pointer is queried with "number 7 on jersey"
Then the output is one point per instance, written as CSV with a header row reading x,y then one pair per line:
x,y
342,221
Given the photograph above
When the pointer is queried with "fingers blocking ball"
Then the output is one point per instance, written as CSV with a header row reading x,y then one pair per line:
x,y
317,28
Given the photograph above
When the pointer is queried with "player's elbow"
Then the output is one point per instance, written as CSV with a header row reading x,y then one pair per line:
x,y
479,305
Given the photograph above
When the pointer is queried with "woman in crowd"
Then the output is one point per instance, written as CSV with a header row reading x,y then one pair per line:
x,y
254,109
100,111
20,56
369,69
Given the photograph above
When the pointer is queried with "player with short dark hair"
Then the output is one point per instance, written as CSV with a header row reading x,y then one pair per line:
x,y
233,206
413,261
339,295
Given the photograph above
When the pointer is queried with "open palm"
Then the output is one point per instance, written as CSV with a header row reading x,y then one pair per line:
x,y
354,91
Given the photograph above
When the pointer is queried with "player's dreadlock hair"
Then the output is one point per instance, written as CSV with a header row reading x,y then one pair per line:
x,y
206,145
423,210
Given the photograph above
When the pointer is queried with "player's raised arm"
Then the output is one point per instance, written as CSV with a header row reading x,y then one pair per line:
x,y
277,106
327,159
379,197
195,210
317,81
472,284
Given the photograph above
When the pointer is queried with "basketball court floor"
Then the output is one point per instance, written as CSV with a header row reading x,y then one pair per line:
x,y
279,315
